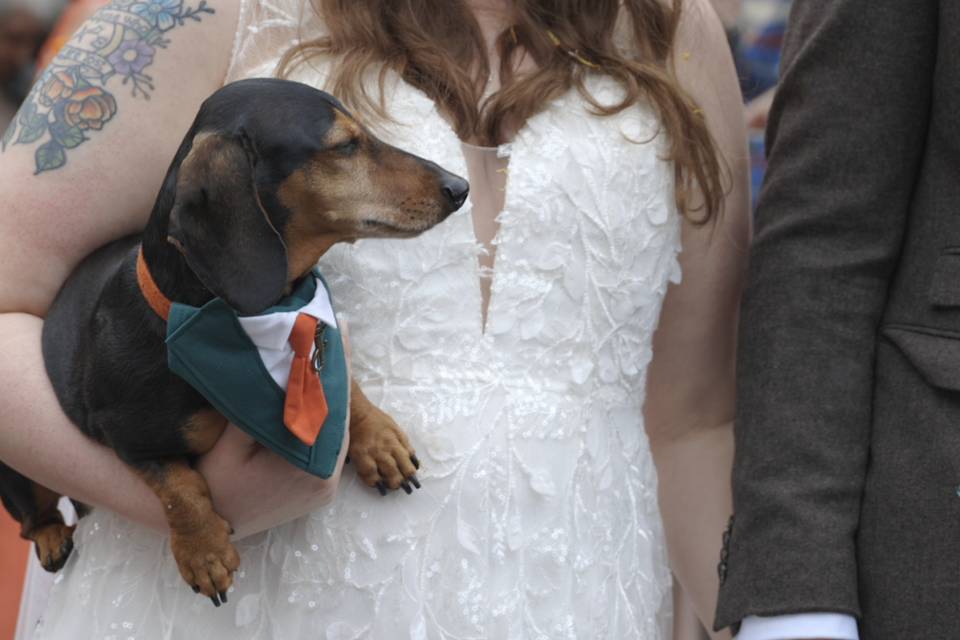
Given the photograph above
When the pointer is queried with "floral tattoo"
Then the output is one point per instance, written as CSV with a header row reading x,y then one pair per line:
x,y
71,98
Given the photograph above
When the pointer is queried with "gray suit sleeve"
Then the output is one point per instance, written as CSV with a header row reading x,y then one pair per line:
x,y
846,141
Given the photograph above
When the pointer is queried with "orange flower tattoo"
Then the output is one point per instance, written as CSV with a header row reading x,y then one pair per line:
x,y
71,98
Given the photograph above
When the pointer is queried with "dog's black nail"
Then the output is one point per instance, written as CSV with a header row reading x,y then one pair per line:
x,y
215,601
406,487
415,461
347,460
416,483
382,488
232,531
195,588
223,597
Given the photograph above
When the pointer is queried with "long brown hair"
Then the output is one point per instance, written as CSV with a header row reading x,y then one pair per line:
x,y
437,46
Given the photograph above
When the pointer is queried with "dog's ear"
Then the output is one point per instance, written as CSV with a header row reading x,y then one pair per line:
x,y
219,224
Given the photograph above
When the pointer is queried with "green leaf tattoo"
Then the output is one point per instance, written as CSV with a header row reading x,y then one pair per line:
x,y
66,135
70,99
33,125
50,156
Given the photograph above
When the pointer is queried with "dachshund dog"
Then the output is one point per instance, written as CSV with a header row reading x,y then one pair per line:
x,y
270,175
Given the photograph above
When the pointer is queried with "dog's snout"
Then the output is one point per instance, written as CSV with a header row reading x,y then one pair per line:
x,y
455,190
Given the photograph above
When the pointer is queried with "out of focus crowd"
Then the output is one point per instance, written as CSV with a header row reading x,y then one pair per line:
x,y
24,25
756,29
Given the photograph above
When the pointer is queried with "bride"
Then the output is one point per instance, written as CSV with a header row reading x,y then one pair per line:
x,y
544,347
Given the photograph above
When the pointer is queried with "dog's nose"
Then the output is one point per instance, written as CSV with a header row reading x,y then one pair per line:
x,y
455,190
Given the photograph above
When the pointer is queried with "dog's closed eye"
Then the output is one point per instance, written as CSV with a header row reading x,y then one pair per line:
x,y
348,148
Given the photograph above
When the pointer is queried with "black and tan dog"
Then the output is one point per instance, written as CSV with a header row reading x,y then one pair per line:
x,y
271,174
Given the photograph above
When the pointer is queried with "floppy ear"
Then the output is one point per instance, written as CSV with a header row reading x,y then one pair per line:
x,y
220,225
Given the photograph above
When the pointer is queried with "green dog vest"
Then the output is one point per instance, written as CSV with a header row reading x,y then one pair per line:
x,y
209,348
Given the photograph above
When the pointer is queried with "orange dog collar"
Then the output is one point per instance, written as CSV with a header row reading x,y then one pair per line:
x,y
151,292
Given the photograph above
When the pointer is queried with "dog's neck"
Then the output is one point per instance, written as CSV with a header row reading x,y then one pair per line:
x,y
173,277
170,270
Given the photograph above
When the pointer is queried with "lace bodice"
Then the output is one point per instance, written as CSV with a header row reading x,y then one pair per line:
x,y
538,515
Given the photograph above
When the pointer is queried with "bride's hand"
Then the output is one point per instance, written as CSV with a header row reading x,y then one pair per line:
x,y
256,489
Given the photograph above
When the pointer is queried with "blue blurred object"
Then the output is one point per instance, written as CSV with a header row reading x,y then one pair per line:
x,y
757,42
758,163
760,32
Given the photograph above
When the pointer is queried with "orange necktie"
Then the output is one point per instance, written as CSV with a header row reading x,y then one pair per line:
x,y
305,409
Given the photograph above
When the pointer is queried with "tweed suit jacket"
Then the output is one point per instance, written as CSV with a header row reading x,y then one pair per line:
x,y
847,473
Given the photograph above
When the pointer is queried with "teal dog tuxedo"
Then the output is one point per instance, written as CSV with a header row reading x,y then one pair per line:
x,y
248,368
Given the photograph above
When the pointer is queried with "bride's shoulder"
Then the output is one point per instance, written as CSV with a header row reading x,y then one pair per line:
x,y
703,62
699,26
267,30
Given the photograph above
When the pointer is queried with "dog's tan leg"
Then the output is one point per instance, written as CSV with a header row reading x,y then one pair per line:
x,y
202,430
46,529
199,537
379,449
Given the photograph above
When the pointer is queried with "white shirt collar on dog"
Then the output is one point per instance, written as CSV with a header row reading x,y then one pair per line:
x,y
270,333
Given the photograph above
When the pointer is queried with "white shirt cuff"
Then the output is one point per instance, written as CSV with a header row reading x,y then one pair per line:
x,y
803,626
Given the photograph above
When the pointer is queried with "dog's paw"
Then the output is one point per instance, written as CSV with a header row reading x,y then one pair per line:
x,y
54,542
206,558
382,455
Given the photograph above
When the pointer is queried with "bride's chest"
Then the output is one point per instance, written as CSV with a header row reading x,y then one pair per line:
x,y
586,240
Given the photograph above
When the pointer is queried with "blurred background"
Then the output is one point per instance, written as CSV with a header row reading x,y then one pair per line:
x,y
31,32
756,36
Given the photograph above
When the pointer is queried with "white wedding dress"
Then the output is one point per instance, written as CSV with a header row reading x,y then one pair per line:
x,y
538,516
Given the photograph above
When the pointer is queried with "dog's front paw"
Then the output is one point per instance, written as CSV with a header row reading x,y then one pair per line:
x,y
382,454
54,542
206,558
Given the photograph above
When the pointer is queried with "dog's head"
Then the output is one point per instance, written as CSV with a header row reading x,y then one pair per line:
x,y
273,173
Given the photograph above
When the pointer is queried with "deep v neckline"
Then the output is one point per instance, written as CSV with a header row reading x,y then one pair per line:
x,y
454,158
485,275
487,172
454,148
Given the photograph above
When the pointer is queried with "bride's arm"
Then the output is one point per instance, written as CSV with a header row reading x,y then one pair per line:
x,y
690,397
103,190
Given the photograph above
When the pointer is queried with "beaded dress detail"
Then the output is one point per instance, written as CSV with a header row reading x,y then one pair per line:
x,y
538,516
